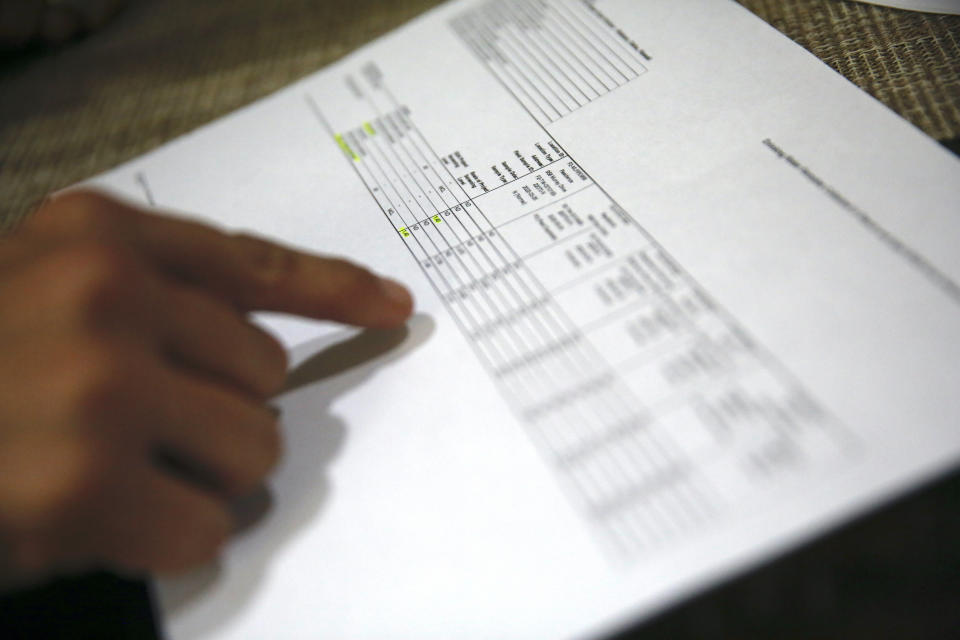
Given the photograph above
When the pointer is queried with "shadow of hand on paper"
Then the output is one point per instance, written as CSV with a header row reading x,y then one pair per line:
x,y
338,358
323,370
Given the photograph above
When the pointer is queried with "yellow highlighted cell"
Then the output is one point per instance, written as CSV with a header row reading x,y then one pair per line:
x,y
369,128
346,148
404,232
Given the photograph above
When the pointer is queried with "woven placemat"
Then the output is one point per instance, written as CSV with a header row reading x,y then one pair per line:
x,y
164,67
908,60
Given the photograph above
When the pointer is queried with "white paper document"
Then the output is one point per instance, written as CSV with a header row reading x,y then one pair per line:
x,y
686,298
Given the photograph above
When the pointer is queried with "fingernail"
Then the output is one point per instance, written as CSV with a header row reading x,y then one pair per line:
x,y
396,292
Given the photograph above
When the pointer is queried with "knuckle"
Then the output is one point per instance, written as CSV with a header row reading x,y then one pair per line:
x,y
270,264
81,210
212,534
99,377
97,276
262,454
275,372
195,538
49,503
203,534
205,548
272,444
83,474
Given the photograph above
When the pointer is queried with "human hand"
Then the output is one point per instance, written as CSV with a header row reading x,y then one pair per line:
x,y
133,387
51,21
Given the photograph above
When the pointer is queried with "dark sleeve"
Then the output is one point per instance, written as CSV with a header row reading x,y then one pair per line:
x,y
100,605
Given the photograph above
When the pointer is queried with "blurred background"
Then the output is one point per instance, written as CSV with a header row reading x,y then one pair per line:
x,y
163,67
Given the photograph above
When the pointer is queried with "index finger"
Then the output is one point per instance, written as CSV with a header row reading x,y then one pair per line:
x,y
250,272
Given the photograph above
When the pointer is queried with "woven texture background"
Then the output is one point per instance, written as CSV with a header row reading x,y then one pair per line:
x,y
910,61
164,67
